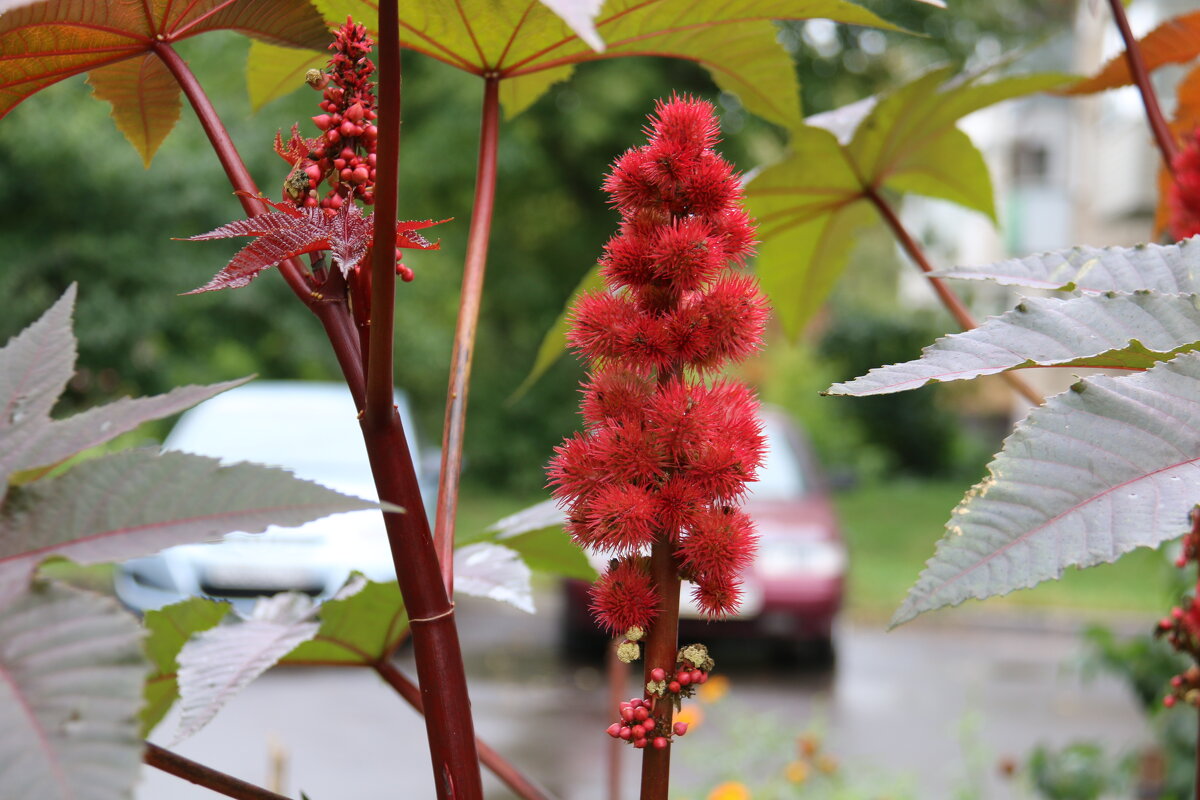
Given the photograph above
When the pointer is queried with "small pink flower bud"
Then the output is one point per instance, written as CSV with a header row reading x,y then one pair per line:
x,y
680,728
660,742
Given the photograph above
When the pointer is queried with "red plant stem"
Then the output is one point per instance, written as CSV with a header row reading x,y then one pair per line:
x,y
464,334
440,673
512,777
662,647
618,684
1141,76
209,778
949,299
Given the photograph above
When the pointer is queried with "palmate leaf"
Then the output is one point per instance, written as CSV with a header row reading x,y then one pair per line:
x,y
47,41
529,47
1114,331
218,663
290,231
810,205
34,369
1176,41
1173,269
1112,465
71,671
136,502
168,630
487,569
363,624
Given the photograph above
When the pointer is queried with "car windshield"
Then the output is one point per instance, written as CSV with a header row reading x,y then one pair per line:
x,y
315,435
781,476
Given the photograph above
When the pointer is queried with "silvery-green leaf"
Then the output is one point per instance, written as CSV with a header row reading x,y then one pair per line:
x,y
1111,465
491,570
217,664
71,672
1114,331
1174,269
137,502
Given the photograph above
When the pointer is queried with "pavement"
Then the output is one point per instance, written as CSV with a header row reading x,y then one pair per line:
x,y
933,706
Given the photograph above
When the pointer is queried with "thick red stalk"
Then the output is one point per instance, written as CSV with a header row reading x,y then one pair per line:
x,y
209,778
662,646
949,299
1141,76
512,777
464,334
440,673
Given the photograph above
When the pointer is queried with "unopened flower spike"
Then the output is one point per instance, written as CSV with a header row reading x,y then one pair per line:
x,y
342,157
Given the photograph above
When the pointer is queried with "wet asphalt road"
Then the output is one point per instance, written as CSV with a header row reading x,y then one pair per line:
x,y
933,706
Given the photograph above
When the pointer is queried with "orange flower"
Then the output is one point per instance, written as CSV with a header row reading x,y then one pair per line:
x,y
730,790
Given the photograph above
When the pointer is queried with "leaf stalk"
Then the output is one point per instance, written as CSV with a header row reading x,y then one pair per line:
x,y
1141,76
950,300
201,775
464,334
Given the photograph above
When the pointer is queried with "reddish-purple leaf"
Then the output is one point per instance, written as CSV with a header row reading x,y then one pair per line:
x,y
347,235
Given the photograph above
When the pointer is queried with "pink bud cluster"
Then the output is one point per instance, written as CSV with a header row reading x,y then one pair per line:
x,y
668,446
1181,628
639,727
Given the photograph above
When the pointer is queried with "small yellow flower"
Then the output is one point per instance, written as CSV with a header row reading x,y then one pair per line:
x,y
712,690
796,772
827,764
692,714
730,790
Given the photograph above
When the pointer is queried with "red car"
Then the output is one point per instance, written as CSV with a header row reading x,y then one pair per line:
x,y
794,591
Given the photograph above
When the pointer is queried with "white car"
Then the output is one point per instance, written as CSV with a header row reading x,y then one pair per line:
x,y
310,429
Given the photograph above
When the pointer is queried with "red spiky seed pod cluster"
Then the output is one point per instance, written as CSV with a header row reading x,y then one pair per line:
x,y
668,448
1183,198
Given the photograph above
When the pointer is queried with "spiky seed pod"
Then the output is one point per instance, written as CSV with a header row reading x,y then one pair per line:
x,y
666,448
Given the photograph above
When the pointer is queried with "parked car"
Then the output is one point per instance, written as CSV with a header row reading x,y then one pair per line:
x,y
793,592
310,429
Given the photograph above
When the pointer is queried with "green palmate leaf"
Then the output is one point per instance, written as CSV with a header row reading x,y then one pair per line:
x,y
34,369
1115,331
555,341
144,98
580,16
1171,268
71,671
273,71
551,551
518,40
1112,465
537,534
168,630
810,204
357,627
47,41
218,663
128,504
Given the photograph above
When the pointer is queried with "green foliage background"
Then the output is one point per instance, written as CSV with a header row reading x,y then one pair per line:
x,y
80,207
